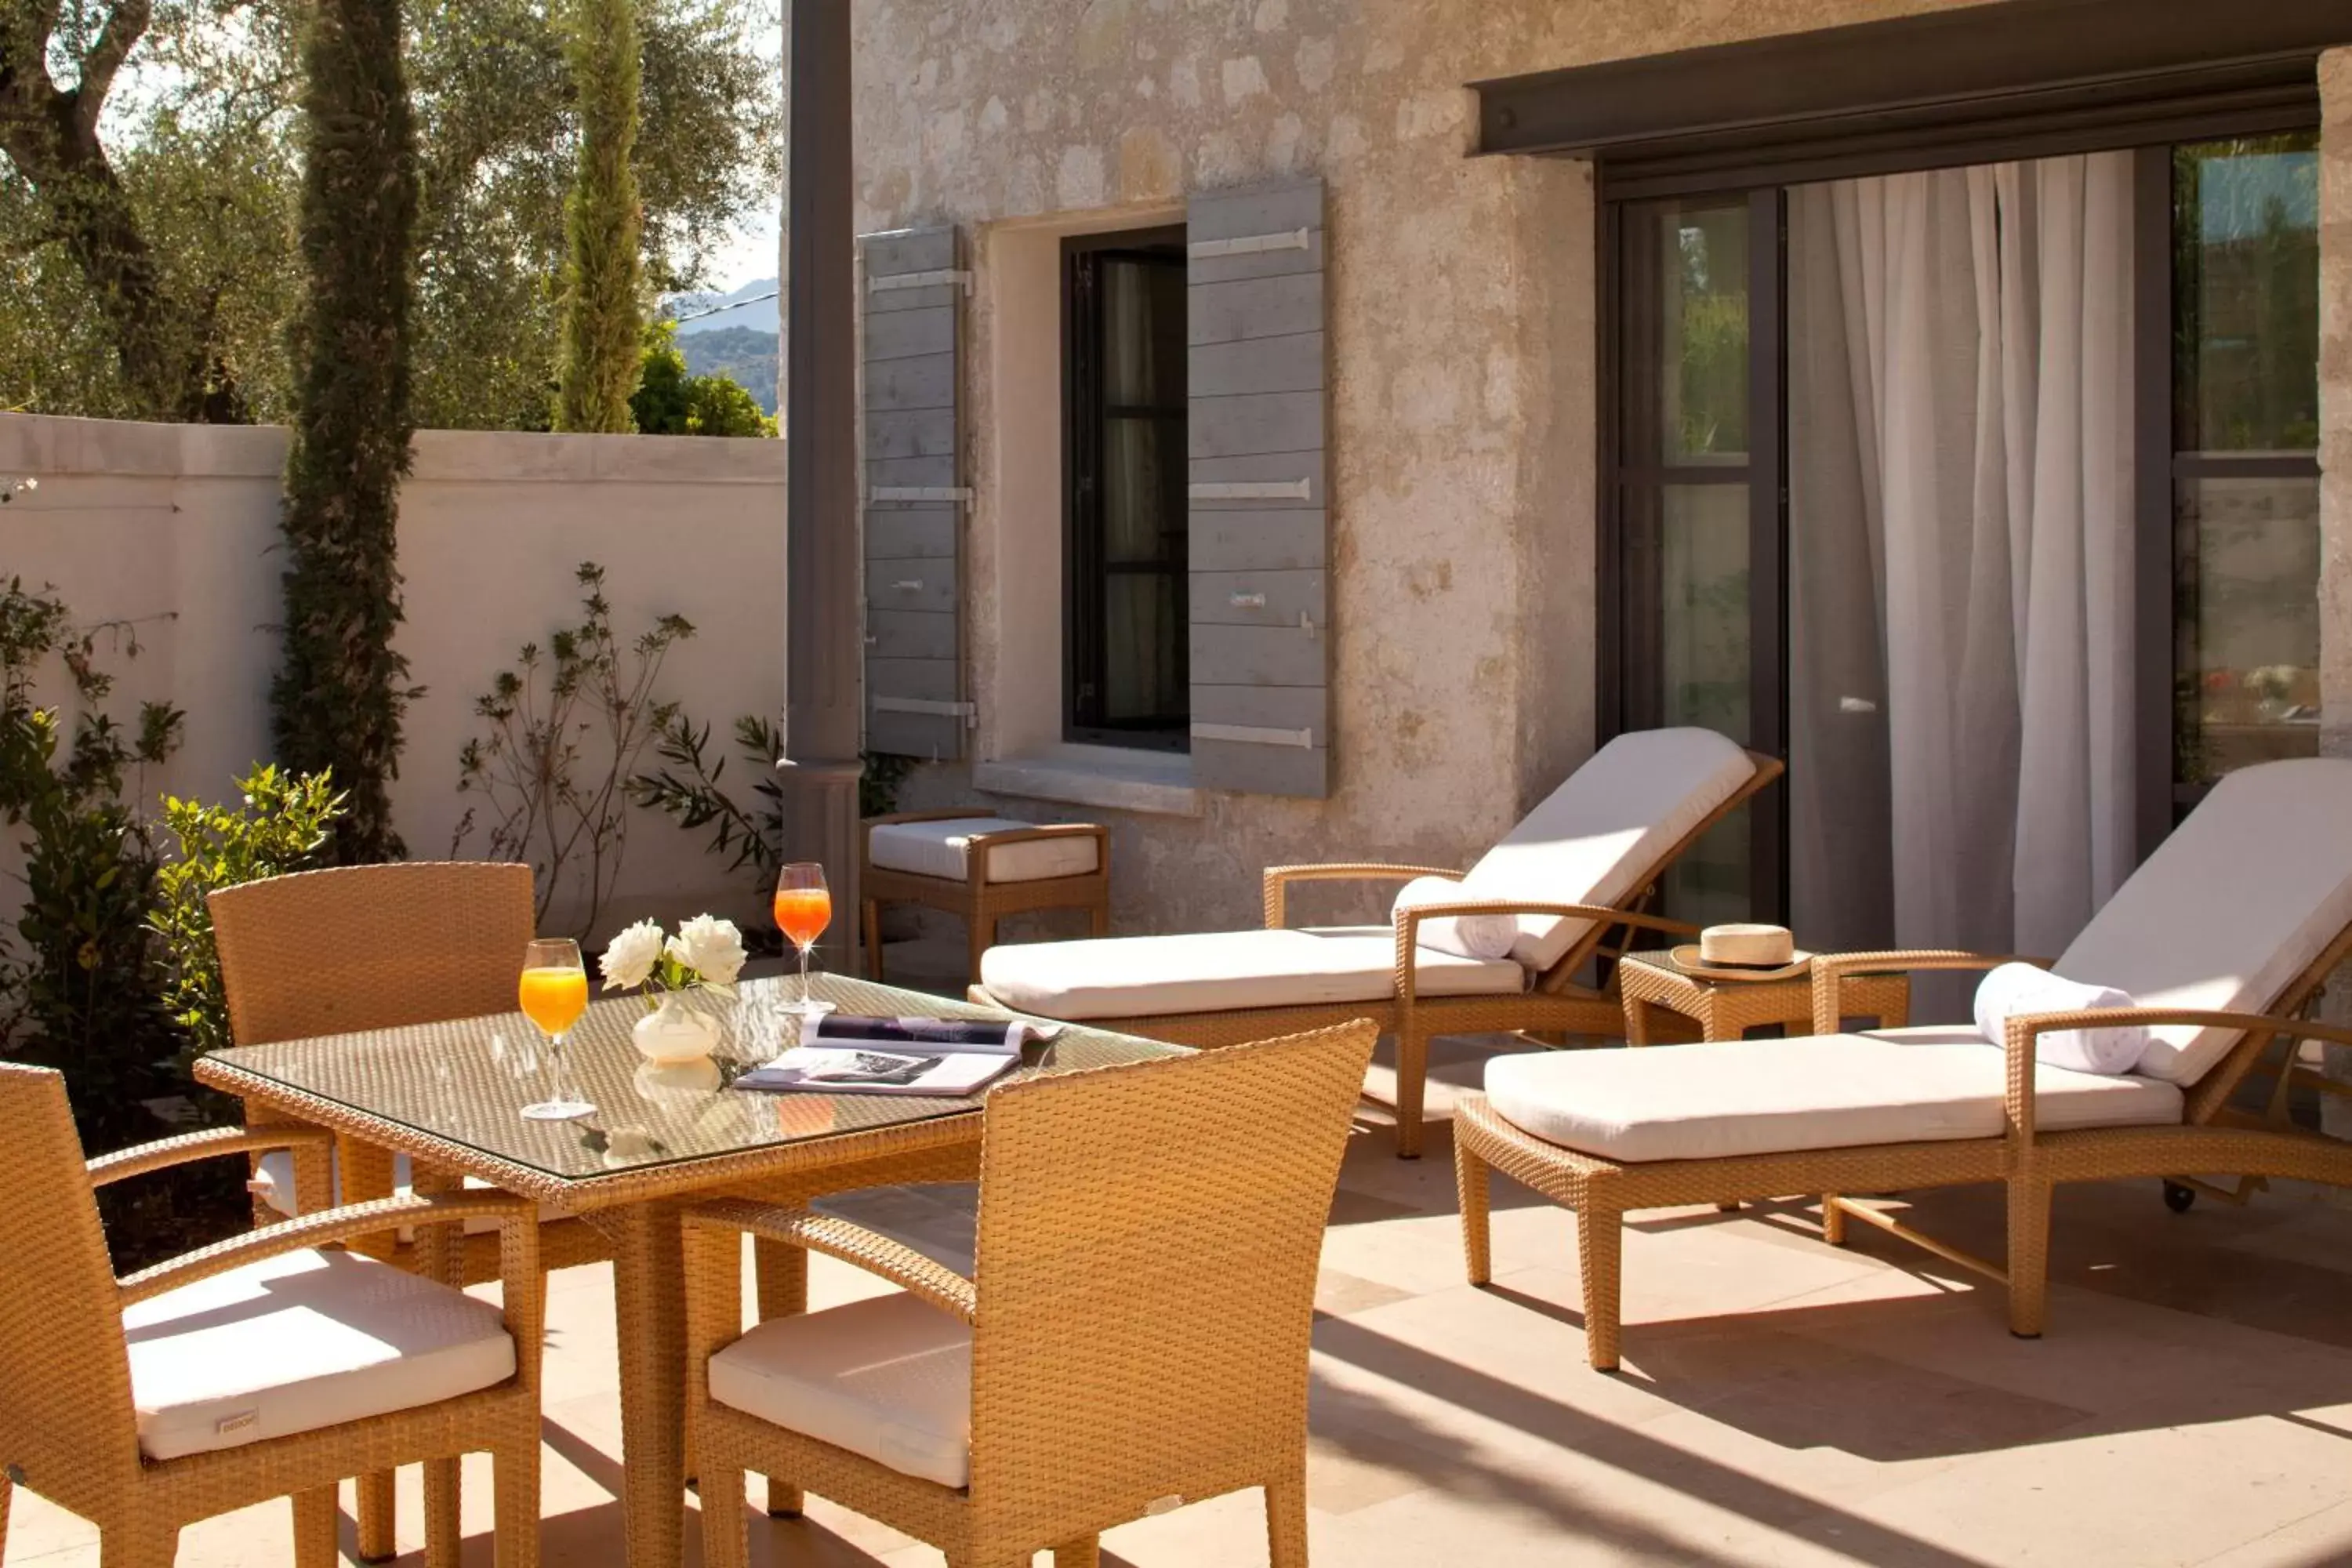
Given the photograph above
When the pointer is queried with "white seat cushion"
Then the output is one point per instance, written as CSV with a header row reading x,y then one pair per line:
x,y
1598,837
273,1182
943,849
1135,977
294,1343
888,1377
2244,896
1827,1092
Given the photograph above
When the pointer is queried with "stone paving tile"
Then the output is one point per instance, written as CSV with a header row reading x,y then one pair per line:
x,y
1783,1402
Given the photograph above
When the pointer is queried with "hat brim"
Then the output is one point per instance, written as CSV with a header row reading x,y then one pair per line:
x,y
1687,959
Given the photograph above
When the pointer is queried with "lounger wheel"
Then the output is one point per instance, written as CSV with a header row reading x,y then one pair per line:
x,y
2178,1198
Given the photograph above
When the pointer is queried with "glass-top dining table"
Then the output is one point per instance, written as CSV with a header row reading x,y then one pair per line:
x,y
450,1096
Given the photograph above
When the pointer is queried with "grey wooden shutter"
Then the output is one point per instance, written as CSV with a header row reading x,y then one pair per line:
x,y
1261,635
916,700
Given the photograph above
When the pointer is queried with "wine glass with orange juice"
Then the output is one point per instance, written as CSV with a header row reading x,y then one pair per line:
x,y
803,908
554,993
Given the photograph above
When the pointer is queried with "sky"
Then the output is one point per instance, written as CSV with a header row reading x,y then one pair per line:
x,y
748,254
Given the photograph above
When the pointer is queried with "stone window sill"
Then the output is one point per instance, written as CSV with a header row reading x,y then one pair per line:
x,y
1114,778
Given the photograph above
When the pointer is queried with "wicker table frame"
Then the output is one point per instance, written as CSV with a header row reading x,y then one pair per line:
x,y
2208,1138
977,901
1728,1009
1557,1002
638,1213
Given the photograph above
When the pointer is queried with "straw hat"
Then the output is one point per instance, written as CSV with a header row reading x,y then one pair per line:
x,y
1743,953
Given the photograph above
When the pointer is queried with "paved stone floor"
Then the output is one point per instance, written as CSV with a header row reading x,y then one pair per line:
x,y
1782,1403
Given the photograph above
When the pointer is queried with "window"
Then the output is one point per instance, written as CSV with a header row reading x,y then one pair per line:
x,y
1125,666
2245,461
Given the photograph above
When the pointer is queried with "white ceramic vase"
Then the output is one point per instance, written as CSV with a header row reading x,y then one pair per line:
x,y
676,1032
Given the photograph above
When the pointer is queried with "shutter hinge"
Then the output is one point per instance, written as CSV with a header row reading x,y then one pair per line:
x,y
1252,490
1249,244
958,494
1255,735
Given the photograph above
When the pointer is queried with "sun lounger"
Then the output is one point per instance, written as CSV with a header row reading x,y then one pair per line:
x,y
1582,866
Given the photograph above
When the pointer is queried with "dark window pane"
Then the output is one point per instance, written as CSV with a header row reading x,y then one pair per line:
x,y
1686,333
1699,616
1124,418
2246,295
2246,624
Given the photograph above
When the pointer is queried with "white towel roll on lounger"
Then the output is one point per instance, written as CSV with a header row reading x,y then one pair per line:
x,y
1464,936
2015,990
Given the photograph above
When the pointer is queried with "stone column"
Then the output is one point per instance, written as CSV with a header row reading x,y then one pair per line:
x,y
2335,482
824,653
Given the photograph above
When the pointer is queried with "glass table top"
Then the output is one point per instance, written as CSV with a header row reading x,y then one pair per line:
x,y
467,1081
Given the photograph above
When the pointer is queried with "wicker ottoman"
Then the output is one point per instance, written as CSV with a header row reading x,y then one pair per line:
x,y
981,868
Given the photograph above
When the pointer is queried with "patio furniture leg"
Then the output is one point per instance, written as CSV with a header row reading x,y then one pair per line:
x,y
138,1545
1286,1521
373,1500
783,1293
870,922
7,1491
440,1251
1600,1256
515,1478
1474,1183
2029,1254
1412,1080
1832,1220
980,935
443,1531
725,1543
1086,1553
314,1528
649,1303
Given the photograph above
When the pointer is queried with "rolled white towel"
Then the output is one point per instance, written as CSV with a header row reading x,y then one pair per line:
x,y
1464,936
2015,990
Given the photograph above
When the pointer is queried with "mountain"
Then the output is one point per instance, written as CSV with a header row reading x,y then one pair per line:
x,y
760,318
742,354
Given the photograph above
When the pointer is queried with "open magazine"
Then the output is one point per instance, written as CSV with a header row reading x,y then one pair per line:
x,y
941,1057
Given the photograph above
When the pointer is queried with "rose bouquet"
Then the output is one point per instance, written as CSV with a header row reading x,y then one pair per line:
x,y
705,955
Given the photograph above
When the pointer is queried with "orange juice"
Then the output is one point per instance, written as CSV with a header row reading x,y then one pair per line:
x,y
554,998
804,913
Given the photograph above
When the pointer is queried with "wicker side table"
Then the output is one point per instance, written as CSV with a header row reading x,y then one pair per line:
x,y
992,884
1650,983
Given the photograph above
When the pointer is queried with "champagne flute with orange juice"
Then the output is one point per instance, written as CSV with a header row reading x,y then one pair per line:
x,y
554,993
803,908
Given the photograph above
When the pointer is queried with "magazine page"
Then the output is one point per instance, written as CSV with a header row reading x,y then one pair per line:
x,y
824,1070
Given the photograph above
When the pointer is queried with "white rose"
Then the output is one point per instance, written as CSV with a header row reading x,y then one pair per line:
x,y
711,948
629,962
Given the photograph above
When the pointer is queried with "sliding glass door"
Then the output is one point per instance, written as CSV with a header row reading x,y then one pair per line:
x,y
1987,497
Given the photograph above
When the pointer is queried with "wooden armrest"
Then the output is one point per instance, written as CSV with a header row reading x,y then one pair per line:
x,y
1279,878
922,1277
1408,923
1830,970
341,1223
166,1152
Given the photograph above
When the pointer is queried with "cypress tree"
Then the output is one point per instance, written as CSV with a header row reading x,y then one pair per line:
x,y
602,330
341,686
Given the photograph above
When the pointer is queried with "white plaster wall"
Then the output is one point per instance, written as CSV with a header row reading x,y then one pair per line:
x,y
143,521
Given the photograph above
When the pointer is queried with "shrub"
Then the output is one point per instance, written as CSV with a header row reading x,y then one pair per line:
x,y
670,401
556,806
280,824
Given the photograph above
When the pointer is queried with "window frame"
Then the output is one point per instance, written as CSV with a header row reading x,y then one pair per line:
x,y
1083,412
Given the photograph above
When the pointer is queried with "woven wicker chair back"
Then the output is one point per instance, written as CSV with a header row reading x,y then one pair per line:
x,y
370,947
65,1376
1147,1249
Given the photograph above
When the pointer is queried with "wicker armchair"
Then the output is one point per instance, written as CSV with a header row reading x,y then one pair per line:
x,y
375,947
255,1369
1100,1365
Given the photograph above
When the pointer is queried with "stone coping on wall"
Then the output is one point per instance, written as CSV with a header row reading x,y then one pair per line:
x,y
42,445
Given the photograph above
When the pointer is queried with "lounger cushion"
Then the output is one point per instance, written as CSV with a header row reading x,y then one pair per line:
x,y
1600,836
294,1343
1768,1096
1144,976
943,849
2243,897
888,1377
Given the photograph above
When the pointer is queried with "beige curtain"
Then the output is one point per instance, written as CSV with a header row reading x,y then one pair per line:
x,y
1960,554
